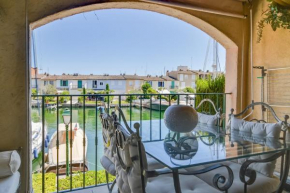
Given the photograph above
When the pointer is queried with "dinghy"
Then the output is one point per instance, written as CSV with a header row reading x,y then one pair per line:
x,y
37,139
79,151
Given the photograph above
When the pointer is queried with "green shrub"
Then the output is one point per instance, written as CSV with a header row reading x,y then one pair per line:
x,y
64,183
50,182
189,90
210,85
64,98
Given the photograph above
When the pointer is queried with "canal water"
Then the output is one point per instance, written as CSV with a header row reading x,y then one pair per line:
x,y
150,130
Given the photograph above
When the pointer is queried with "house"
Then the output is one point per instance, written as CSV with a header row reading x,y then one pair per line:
x,y
75,82
184,76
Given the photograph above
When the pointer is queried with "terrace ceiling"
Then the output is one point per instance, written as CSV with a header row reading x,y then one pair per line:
x,y
231,6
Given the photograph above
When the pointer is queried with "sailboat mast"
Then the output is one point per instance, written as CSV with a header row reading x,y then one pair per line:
x,y
214,64
36,69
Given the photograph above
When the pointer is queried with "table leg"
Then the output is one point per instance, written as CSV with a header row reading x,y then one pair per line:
x,y
285,172
176,181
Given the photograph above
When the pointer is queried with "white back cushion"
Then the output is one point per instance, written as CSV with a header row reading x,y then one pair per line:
x,y
256,129
129,179
266,131
207,119
9,163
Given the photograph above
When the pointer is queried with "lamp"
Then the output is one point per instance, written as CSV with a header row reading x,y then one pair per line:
x,y
66,120
66,116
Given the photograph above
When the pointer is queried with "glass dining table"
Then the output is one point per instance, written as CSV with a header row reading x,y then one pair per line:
x,y
210,147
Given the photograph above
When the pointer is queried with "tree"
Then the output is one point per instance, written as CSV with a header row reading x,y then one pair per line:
x,y
80,98
33,92
145,87
64,98
211,85
133,97
50,90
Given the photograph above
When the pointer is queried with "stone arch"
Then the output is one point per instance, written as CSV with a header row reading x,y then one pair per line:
x,y
225,41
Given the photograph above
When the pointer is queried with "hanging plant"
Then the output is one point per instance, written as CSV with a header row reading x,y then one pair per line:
x,y
277,15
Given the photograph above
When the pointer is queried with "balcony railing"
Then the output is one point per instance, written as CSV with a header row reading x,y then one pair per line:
x,y
86,171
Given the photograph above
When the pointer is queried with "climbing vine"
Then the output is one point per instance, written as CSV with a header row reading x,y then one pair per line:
x,y
278,16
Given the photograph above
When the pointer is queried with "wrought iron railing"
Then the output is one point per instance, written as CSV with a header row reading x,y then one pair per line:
x,y
147,109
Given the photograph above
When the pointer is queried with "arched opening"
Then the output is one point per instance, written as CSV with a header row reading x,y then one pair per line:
x,y
226,42
229,45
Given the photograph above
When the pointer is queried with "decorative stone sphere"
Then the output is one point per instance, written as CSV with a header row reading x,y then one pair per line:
x,y
180,118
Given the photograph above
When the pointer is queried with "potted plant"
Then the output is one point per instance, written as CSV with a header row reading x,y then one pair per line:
x,y
277,15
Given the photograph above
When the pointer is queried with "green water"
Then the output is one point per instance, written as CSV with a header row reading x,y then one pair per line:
x,y
92,129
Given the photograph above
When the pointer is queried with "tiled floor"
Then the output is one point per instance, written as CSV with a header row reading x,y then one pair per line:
x,y
100,189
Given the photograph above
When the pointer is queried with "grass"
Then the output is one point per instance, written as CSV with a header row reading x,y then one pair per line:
x,y
64,183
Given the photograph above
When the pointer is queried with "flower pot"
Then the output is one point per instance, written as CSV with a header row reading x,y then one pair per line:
x,y
180,118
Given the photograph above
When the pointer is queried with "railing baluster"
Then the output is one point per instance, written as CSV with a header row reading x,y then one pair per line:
x,y
120,105
108,101
130,111
160,117
140,116
224,109
150,117
57,144
84,141
96,144
187,99
169,98
71,122
43,144
178,99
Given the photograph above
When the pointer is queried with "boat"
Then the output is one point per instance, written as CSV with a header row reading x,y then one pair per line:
x,y
37,139
79,152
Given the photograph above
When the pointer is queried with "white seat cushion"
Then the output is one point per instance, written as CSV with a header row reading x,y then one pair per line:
x,y
263,184
10,184
188,184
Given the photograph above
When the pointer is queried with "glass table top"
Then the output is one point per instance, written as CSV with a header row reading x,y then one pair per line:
x,y
207,145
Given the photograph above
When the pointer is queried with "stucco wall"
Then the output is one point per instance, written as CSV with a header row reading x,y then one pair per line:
x,y
272,52
14,68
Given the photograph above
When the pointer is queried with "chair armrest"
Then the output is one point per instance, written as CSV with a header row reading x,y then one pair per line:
x,y
217,178
155,173
251,174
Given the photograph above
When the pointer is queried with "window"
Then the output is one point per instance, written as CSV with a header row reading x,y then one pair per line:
x,y
51,82
80,84
63,83
185,76
181,77
95,84
101,83
193,84
160,84
150,82
119,83
45,83
130,83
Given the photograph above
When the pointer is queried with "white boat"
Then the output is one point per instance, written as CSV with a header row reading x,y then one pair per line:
x,y
79,151
37,138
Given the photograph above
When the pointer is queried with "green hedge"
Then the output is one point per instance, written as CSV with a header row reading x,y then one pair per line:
x,y
64,182
210,85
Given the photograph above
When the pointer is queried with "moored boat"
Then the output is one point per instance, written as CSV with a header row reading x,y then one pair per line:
x,y
37,138
78,152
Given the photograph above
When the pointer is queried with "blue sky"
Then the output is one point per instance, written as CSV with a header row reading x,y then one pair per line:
x,y
118,41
